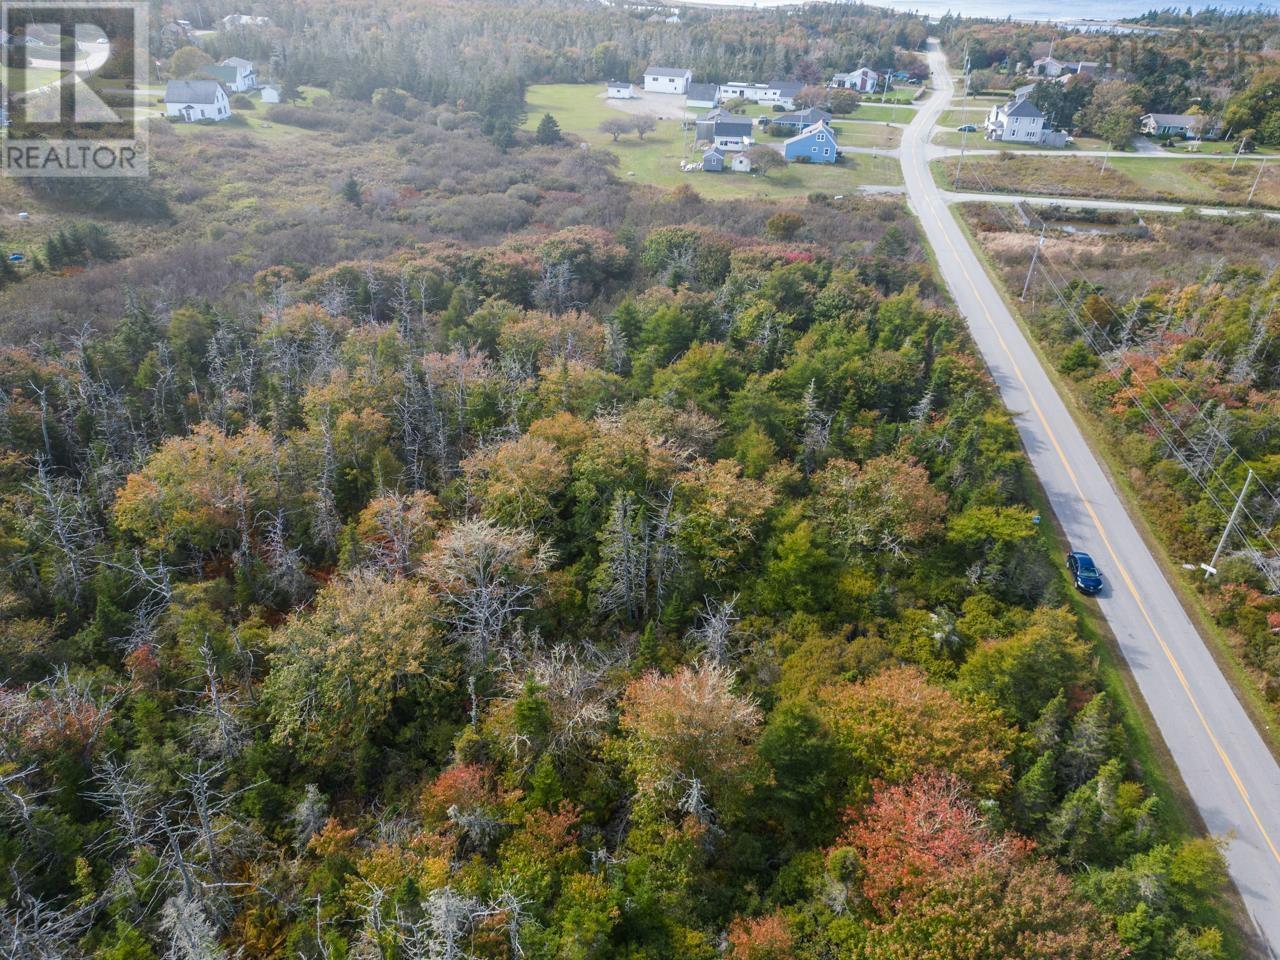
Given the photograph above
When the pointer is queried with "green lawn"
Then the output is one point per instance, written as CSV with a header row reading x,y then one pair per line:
x,y
656,159
1213,148
856,133
955,116
902,94
883,113
580,107
18,79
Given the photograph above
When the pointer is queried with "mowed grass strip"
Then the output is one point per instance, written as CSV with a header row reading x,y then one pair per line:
x,y
1206,182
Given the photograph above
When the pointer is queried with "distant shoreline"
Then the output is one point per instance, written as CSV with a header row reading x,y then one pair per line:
x,y
1085,23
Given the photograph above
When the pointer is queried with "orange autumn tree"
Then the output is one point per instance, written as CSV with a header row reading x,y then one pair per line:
x,y
943,883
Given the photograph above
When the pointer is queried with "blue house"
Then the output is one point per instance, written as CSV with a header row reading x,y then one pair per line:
x,y
814,144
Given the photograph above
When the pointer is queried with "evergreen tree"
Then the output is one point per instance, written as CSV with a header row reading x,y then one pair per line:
x,y
351,191
548,131
504,135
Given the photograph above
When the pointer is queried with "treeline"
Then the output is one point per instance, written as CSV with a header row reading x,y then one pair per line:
x,y
481,55
422,613
1187,391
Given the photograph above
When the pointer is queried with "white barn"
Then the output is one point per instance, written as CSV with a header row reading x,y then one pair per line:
x,y
192,100
667,80
619,90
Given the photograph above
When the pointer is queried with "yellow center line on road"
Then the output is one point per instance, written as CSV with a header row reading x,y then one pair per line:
x,y
1124,573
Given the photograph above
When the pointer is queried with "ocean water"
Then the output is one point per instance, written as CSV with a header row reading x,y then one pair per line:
x,y
1103,10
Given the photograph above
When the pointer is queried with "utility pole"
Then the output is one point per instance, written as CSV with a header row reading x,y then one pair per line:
x,y
1261,165
1211,567
1035,255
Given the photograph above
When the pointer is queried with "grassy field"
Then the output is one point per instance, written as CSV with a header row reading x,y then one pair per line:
x,y
902,94
656,160
1209,182
1214,148
955,116
883,113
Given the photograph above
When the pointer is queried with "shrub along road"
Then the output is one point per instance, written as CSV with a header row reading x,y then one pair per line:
x,y
1231,775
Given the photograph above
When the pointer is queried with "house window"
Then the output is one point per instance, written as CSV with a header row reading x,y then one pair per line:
x,y
822,137
826,151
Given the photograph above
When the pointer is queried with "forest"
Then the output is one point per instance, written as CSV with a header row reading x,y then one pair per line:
x,y
589,595
1167,337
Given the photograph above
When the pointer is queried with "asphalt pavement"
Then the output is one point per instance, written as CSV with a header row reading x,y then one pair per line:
x,y
1232,777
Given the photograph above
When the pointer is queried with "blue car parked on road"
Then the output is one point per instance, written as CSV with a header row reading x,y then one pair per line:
x,y
1084,572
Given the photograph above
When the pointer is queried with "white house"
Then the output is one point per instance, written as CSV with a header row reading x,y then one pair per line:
x,y
192,100
619,90
782,92
1048,67
233,20
667,80
246,74
1017,121
270,93
864,80
1172,124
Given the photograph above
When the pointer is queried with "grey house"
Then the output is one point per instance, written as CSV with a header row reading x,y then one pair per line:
x,y
713,160
797,120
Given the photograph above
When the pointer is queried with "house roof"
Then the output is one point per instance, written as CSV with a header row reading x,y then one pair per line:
x,y
702,91
1172,119
618,83
220,72
812,129
239,62
1022,108
192,91
713,152
786,88
1024,91
667,72
737,127
804,117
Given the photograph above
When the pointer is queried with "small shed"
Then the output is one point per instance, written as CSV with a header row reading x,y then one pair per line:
x,y
620,90
713,160
270,93
741,163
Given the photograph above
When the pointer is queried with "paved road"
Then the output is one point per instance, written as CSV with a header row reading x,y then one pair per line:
x,y
1232,777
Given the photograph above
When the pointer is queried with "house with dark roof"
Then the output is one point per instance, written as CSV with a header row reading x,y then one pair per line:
x,y
667,79
797,120
195,100
1016,121
619,90
720,128
701,96
813,144
713,160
